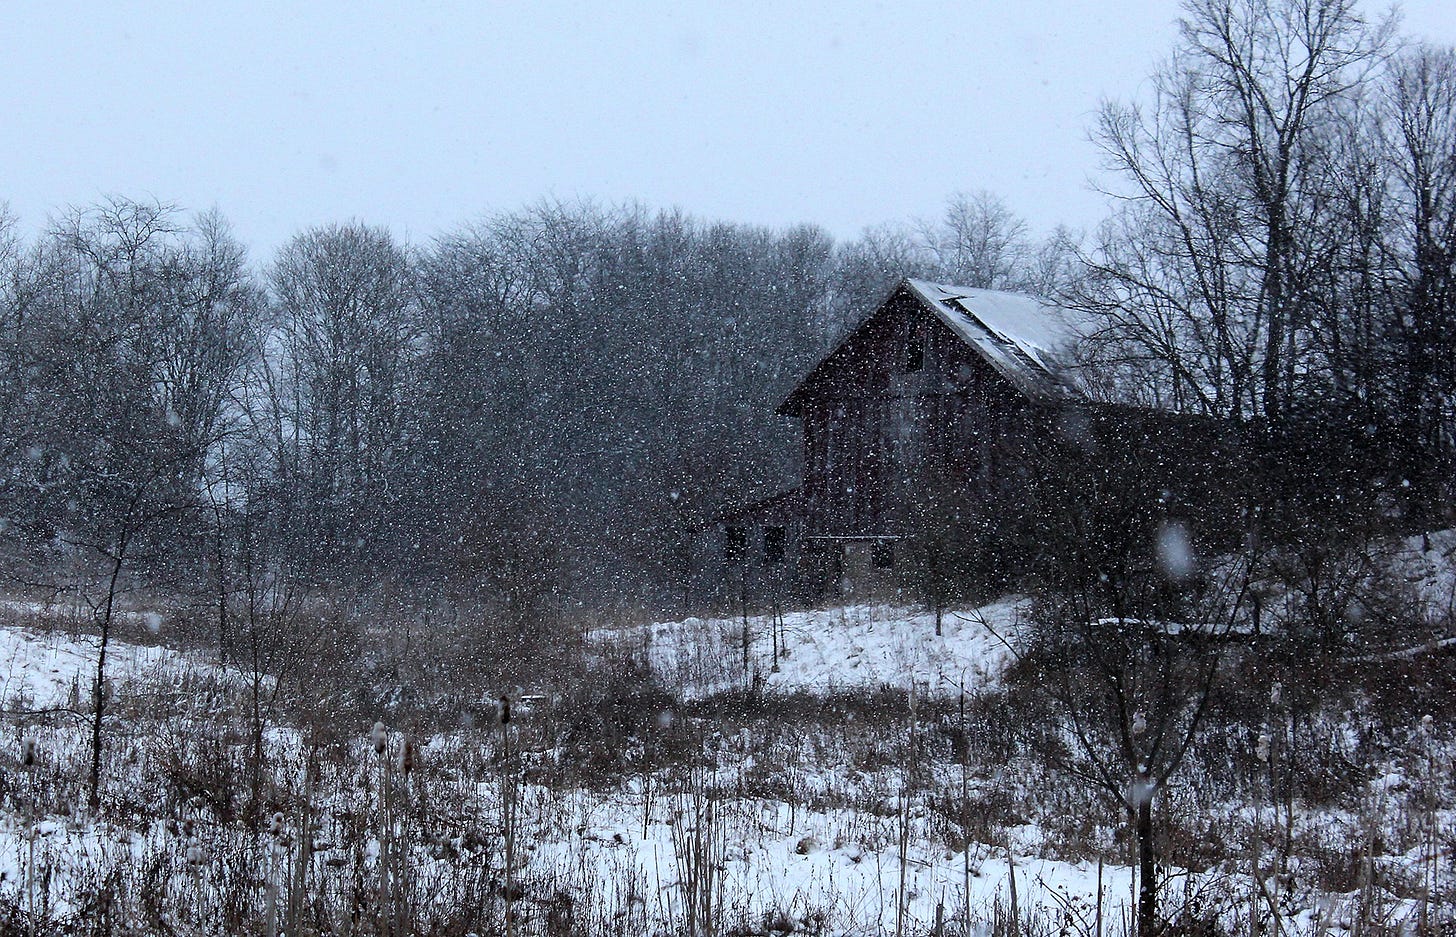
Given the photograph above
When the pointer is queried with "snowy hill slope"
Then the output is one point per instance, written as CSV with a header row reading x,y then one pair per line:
x,y
854,647
42,670
868,646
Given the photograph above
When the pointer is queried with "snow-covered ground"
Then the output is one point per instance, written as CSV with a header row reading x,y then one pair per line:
x,y
826,869
848,648
42,670
776,859
1428,563
833,845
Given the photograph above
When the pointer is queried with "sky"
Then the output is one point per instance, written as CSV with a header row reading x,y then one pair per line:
x,y
425,116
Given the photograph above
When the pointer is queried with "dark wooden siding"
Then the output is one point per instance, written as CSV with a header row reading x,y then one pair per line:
x,y
905,399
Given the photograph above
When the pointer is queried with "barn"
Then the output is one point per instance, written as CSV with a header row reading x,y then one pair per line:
x,y
927,434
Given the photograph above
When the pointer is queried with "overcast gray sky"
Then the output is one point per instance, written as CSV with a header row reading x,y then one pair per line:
x,y
421,116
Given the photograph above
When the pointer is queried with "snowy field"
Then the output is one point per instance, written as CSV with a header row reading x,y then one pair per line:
x,y
874,866
43,670
840,822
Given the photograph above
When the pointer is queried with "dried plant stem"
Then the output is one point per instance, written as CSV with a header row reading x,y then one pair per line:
x,y
699,847
510,793
303,855
28,759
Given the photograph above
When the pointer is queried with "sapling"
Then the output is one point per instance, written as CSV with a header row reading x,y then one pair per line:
x,y
965,811
773,629
1261,752
387,887
907,781
647,789
743,604
1011,880
405,763
1430,850
1263,774
1366,893
1268,750
27,760
302,858
1098,917
509,793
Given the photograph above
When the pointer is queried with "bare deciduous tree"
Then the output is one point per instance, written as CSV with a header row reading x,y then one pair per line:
x,y
979,243
348,328
1204,278
1420,106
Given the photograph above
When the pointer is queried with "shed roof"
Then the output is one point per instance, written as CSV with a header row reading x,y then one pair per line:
x,y
1020,336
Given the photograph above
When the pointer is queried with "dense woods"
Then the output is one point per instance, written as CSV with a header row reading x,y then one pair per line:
x,y
542,408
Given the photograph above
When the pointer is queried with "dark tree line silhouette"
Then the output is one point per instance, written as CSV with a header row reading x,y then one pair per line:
x,y
546,406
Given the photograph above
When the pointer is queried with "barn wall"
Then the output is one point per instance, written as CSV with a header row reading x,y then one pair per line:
x,y
906,399
757,554
905,420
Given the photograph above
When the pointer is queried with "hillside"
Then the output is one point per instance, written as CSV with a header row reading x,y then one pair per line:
x,y
856,647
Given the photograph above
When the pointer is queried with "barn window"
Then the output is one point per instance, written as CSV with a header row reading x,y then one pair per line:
x,y
915,350
882,554
914,355
735,542
774,541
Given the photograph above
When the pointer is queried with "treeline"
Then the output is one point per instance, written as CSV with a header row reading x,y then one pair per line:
x,y
539,410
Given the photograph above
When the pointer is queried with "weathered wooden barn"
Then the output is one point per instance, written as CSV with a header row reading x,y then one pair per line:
x,y
927,436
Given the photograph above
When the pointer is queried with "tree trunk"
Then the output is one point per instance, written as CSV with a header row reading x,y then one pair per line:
x,y
98,687
1147,870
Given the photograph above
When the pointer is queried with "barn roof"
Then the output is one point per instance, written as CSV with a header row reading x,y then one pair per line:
x,y
1020,336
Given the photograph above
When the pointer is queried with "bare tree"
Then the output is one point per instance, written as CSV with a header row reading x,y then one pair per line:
x,y
978,243
1420,109
132,345
347,331
1204,276
1131,696
1129,646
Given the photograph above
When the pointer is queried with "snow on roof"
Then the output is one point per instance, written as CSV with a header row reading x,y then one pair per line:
x,y
1017,334
1020,336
